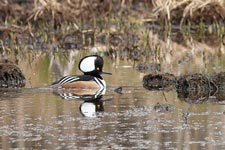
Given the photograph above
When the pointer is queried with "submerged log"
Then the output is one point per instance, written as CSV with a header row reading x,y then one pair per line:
x,y
10,75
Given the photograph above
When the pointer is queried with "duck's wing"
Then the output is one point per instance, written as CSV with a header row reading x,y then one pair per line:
x,y
71,79
65,80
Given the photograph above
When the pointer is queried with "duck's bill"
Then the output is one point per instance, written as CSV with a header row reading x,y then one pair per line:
x,y
104,72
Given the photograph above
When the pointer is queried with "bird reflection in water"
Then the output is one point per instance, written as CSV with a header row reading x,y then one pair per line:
x,y
92,104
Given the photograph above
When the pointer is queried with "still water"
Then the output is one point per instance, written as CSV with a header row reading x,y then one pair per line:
x,y
36,118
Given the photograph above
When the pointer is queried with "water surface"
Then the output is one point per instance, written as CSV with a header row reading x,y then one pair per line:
x,y
35,118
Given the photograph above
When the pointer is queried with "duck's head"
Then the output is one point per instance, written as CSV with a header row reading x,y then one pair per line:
x,y
92,65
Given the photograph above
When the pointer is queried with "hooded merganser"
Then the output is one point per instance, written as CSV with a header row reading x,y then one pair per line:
x,y
91,66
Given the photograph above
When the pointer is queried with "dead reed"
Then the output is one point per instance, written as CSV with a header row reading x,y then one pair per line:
x,y
189,11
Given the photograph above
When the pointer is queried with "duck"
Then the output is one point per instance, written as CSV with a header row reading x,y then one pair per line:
x,y
91,66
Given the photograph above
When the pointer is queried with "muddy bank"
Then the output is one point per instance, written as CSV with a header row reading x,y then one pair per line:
x,y
175,12
68,16
120,31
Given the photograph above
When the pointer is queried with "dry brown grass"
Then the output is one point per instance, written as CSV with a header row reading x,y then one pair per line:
x,y
164,11
52,10
196,11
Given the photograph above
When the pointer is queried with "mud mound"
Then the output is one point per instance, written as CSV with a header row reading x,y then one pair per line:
x,y
10,75
159,81
194,88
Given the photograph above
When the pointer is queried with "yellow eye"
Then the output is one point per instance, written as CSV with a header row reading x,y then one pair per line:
x,y
97,68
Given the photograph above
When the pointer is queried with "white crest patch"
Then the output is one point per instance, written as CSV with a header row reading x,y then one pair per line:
x,y
88,64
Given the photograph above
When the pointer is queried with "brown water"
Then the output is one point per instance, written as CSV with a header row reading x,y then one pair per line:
x,y
35,118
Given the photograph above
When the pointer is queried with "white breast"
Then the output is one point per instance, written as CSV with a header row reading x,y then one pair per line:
x,y
102,85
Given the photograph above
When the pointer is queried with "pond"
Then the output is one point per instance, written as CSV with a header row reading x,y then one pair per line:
x,y
35,117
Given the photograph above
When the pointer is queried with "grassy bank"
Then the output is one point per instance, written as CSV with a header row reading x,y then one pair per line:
x,y
127,25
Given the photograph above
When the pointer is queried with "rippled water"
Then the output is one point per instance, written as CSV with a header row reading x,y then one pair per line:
x,y
35,118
